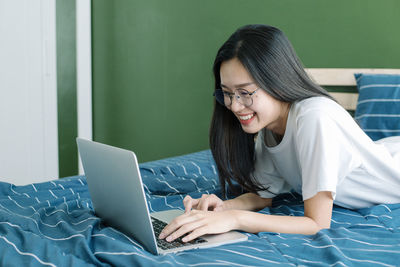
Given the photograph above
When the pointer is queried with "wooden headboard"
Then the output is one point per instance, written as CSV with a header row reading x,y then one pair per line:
x,y
343,77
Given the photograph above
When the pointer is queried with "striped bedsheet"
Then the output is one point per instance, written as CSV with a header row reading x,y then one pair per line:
x,y
53,224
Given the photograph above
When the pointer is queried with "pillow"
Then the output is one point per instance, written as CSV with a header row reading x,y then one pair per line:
x,y
378,105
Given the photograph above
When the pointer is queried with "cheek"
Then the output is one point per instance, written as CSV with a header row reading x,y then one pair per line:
x,y
260,109
266,106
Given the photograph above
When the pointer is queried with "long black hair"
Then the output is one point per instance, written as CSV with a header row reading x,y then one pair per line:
x,y
271,61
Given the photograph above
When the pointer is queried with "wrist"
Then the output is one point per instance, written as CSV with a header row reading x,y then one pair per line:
x,y
228,205
248,201
235,219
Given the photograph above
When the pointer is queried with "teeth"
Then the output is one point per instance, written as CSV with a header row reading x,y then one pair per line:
x,y
247,117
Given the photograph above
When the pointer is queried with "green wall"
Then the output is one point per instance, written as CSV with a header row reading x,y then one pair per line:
x,y
152,80
152,59
66,87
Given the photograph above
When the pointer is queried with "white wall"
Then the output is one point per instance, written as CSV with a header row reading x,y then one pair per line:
x,y
28,91
84,71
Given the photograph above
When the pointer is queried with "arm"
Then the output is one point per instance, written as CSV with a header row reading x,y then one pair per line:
x,y
248,201
317,215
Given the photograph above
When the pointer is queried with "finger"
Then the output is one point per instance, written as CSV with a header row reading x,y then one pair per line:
x,y
171,227
211,202
204,202
218,208
199,231
184,229
176,224
189,202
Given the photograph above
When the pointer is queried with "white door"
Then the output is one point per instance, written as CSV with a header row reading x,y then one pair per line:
x,y
28,91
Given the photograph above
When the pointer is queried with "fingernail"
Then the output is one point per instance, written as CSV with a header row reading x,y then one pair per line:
x,y
169,238
161,236
184,239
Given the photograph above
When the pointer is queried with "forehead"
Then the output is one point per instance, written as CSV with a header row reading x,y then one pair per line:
x,y
233,73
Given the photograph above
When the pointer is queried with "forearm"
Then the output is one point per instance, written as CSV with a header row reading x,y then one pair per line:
x,y
248,201
253,222
235,214
317,216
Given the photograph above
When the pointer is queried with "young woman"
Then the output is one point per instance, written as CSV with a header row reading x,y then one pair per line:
x,y
274,130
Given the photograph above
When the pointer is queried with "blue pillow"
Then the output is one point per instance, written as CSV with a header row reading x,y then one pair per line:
x,y
378,106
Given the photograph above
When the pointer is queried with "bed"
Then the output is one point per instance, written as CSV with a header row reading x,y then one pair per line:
x,y
53,223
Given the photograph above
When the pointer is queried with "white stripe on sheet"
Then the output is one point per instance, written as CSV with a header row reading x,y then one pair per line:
x,y
355,241
53,194
165,182
52,238
352,259
26,253
253,257
198,167
140,254
183,167
221,262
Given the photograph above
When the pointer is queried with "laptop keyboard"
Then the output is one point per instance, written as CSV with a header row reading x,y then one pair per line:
x,y
159,225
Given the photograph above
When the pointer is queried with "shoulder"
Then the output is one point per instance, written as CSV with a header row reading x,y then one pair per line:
x,y
319,108
319,103
323,116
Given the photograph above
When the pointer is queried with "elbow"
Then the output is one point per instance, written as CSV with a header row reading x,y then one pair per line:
x,y
318,227
315,227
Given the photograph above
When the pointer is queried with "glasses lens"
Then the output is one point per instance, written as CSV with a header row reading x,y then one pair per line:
x,y
241,95
219,96
245,97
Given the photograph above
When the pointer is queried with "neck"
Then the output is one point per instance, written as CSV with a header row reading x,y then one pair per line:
x,y
279,131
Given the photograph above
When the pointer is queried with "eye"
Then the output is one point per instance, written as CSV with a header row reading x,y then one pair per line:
x,y
243,92
226,93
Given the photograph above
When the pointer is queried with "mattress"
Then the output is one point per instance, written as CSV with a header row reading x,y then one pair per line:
x,y
53,224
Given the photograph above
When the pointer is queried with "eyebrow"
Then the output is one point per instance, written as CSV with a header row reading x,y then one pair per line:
x,y
238,85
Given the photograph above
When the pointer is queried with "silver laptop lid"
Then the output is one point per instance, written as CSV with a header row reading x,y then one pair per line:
x,y
116,189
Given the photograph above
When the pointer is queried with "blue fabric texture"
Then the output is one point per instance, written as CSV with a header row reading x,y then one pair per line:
x,y
378,107
53,224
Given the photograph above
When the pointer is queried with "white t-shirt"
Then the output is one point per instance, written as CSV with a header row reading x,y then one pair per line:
x,y
324,149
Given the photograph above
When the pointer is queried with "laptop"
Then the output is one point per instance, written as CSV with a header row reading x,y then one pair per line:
x,y
116,188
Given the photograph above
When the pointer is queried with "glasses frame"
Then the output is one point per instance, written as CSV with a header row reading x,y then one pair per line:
x,y
236,95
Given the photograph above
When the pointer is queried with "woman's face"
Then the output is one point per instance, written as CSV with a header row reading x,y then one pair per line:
x,y
265,112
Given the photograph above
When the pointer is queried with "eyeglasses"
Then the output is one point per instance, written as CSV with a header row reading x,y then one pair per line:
x,y
242,96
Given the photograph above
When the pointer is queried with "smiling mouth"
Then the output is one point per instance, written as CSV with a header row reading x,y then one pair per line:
x,y
246,118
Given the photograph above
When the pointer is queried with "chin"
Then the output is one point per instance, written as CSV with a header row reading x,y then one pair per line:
x,y
250,130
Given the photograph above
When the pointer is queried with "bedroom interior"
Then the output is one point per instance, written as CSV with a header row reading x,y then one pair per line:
x,y
43,220
151,75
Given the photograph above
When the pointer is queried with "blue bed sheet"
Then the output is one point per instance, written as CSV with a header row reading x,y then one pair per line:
x,y
53,224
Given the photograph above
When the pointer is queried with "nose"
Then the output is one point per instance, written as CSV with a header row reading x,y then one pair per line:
x,y
235,104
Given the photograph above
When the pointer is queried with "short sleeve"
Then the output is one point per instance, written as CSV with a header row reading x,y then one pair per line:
x,y
325,153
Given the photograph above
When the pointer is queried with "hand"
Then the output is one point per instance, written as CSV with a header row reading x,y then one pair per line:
x,y
206,202
196,223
